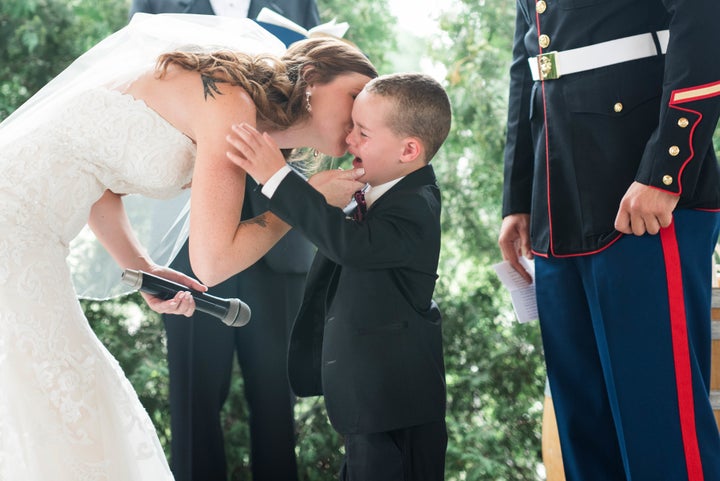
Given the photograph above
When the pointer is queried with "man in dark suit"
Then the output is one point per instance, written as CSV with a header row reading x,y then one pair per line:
x,y
201,349
612,182
368,335
302,12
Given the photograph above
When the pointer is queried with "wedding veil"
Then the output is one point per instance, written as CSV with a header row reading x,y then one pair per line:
x,y
162,226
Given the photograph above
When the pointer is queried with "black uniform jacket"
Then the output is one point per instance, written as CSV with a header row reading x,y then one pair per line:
x,y
576,143
368,335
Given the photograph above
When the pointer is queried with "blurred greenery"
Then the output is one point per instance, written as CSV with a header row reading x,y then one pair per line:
x,y
495,372
495,375
41,37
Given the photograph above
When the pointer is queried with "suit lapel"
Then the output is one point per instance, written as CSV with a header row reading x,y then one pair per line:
x,y
418,178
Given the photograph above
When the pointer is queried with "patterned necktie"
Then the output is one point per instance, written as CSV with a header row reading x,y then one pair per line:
x,y
361,210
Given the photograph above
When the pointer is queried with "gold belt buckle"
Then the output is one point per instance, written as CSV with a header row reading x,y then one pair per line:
x,y
547,66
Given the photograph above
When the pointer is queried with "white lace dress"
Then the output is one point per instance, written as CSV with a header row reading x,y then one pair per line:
x,y
67,412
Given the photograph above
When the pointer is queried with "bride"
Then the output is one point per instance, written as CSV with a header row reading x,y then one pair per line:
x,y
109,126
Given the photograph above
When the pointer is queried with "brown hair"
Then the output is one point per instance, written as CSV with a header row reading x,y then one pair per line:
x,y
320,60
421,108
276,86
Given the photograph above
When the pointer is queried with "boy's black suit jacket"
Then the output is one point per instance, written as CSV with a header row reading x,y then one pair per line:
x,y
368,335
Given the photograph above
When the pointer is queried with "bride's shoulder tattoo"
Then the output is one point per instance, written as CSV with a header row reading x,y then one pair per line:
x,y
260,220
209,86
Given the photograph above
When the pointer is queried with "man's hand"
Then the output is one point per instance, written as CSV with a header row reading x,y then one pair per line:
x,y
337,186
644,209
256,153
514,241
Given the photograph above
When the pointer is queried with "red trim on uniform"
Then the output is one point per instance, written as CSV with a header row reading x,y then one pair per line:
x,y
580,254
699,92
690,144
547,137
681,353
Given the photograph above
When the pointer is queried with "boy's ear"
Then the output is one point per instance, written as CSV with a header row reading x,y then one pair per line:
x,y
412,150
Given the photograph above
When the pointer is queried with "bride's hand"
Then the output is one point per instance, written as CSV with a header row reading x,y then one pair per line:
x,y
337,186
183,303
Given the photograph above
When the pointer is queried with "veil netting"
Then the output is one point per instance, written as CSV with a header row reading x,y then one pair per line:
x,y
162,226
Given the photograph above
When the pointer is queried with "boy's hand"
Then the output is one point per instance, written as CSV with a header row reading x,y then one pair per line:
x,y
256,153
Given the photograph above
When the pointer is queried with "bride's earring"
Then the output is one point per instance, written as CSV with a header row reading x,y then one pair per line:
x,y
308,107
316,153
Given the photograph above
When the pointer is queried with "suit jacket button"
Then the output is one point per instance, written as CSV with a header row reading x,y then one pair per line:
x,y
667,179
618,107
683,122
541,6
544,41
674,150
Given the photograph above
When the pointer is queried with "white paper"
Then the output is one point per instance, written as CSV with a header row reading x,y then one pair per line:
x,y
332,27
522,294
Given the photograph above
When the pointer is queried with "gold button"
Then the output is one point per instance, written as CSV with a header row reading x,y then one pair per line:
x,y
667,179
674,150
618,107
683,122
544,41
541,6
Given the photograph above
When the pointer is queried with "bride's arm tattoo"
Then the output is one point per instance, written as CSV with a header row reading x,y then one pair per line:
x,y
209,86
260,220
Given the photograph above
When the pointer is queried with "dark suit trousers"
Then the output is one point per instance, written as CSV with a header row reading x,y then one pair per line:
x,y
200,355
410,454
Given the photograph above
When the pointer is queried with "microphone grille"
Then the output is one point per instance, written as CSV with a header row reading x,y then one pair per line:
x,y
238,313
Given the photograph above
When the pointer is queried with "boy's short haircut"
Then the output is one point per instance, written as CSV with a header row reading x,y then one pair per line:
x,y
421,108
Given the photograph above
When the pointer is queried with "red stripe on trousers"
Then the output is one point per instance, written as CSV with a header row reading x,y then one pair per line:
x,y
681,353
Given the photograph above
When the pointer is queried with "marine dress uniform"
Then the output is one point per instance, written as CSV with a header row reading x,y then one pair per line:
x,y
604,93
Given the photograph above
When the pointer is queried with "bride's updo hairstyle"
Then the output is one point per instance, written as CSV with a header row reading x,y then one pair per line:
x,y
320,60
261,76
276,86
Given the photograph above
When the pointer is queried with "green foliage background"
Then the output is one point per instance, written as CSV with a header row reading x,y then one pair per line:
x,y
494,366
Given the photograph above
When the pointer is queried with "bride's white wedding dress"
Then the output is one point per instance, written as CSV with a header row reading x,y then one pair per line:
x,y
67,412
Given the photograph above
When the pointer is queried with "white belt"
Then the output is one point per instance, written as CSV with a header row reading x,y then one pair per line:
x,y
553,65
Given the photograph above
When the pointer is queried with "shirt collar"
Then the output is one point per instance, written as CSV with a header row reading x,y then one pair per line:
x,y
374,192
231,8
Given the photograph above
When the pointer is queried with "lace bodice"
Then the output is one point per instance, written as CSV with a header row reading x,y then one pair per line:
x,y
101,140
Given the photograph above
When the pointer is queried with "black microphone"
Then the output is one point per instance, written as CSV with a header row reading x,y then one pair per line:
x,y
233,312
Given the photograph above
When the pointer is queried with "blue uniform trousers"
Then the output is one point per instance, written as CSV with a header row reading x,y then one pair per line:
x,y
629,365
